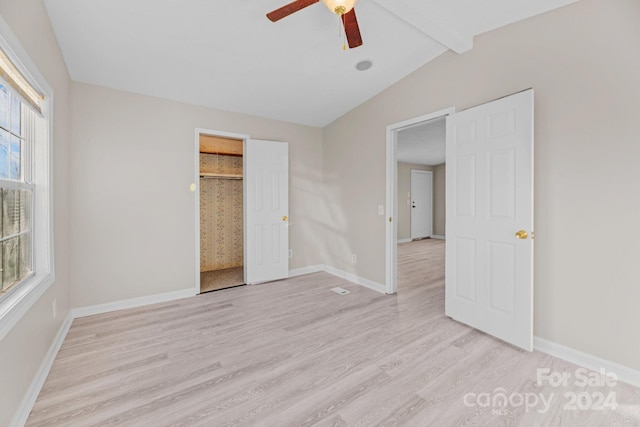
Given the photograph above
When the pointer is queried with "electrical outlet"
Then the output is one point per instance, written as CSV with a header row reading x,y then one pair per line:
x,y
54,308
354,259
290,253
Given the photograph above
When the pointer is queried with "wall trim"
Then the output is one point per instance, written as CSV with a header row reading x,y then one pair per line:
x,y
355,279
131,303
30,397
391,227
589,361
19,301
437,236
306,270
403,241
624,373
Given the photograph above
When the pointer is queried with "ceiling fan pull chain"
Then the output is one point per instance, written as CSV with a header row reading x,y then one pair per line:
x,y
344,33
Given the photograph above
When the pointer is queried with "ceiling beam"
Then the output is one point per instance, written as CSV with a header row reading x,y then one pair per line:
x,y
452,39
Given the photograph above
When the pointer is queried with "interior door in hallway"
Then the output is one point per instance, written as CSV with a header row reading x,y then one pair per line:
x,y
421,204
489,246
267,210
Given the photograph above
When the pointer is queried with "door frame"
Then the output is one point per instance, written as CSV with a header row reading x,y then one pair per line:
x,y
196,189
430,198
391,225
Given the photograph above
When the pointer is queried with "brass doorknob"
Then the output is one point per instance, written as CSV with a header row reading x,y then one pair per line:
x,y
521,234
285,218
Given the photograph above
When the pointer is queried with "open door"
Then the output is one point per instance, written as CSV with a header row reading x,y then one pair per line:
x,y
267,209
489,246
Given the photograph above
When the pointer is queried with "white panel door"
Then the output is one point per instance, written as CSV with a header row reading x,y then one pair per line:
x,y
421,204
489,187
267,209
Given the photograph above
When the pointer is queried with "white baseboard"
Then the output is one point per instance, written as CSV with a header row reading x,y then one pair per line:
x,y
29,399
624,373
306,270
339,273
356,279
131,303
24,409
433,236
589,361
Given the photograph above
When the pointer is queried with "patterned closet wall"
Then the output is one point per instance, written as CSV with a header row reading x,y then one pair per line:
x,y
220,213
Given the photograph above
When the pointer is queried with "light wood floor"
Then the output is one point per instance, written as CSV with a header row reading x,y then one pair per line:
x,y
221,279
293,353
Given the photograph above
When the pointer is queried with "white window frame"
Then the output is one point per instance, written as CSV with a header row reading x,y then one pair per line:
x,y
21,297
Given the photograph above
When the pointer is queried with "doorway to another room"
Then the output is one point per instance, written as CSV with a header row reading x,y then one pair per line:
x,y
416,153
221,212
489,215
420,177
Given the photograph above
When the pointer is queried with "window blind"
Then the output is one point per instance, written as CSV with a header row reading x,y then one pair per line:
x,y
17,81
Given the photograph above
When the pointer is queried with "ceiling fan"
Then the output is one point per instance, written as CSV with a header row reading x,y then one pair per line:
x,y
343,8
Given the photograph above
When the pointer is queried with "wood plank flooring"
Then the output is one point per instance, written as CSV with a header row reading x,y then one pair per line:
x,y
293,353
221,279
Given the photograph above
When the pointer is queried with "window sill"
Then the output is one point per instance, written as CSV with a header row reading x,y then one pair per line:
x,y
17,302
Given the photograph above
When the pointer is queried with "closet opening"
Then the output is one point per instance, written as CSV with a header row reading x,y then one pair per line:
x,y
221,213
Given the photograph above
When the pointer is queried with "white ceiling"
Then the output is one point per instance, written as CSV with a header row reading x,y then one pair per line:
x,y
228,55
423,144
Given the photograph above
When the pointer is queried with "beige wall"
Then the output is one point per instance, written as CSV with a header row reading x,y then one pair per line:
x,y
123,181
132,161
582,62
439,199
23,349
404,188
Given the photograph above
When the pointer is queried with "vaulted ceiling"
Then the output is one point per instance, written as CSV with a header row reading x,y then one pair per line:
x,y
228,55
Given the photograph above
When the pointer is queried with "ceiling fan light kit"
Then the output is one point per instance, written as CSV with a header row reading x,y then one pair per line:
x,y
343,8
340,7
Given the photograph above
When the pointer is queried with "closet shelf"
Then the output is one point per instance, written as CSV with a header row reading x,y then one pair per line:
x,y
220,175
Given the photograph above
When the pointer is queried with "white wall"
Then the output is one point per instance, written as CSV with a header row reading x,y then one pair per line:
x,y
132,161
582,60
23,349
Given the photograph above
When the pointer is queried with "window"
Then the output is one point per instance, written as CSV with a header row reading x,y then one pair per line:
x,y
26,222
16,188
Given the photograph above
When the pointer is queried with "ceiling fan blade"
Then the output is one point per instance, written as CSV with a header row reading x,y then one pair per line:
x,y
351,29
288,9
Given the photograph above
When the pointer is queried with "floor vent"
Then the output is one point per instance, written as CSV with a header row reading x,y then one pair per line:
x,y
340,291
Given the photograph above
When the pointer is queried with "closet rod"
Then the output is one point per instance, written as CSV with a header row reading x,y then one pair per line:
x,y
219,176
